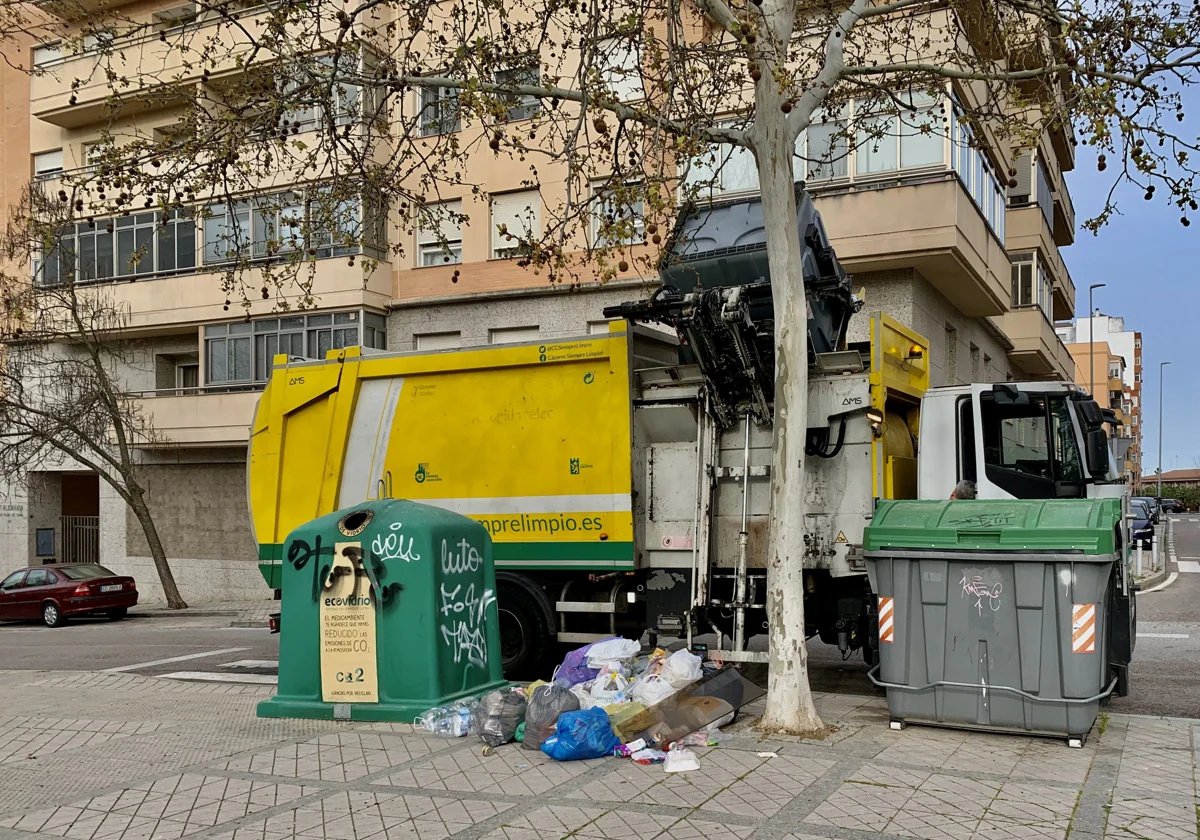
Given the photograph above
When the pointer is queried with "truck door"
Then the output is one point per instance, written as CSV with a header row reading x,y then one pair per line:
x,y
1030,449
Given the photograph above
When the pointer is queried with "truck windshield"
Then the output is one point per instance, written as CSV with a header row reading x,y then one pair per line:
x,y
1029,447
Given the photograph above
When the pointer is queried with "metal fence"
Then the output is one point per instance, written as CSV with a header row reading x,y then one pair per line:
x,y
81,539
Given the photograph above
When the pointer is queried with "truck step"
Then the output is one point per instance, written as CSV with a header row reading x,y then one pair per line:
x,y
585,607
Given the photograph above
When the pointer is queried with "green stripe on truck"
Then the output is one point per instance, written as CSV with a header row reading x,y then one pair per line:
x,y
534,555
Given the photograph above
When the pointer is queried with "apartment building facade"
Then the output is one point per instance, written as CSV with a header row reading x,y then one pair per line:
x,y
934,228
1103,344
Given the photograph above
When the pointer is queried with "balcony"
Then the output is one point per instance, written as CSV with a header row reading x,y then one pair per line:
x,y
163,301
1036,348
1116,385
200,417
930,224
159,70
1028,230
71,10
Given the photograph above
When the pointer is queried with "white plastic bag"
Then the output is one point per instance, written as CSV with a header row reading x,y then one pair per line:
x,y
681,669
613,650
681,760
650,690
608,689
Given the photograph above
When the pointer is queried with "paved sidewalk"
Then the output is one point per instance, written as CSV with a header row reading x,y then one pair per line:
x,y
120,757
236,614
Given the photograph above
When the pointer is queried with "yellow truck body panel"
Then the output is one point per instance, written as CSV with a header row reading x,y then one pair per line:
x,y
531,440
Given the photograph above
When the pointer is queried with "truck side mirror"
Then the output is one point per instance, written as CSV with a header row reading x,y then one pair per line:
x,y
1097,453
1006,393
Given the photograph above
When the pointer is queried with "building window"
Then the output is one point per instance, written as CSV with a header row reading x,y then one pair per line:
x,y
44,54
1045,193
244,353
94,153
439,111
176,16
909,139
618,215
513,335
825,149
977,175
516,222
275,226
520,106
439,234
123,246
437,341
1030,283
307,98
47,165
619,63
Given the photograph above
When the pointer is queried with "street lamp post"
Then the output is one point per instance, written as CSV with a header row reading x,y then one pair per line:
x,y
1092,339
1161,367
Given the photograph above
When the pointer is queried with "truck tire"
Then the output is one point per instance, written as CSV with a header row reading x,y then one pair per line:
x,y
526,641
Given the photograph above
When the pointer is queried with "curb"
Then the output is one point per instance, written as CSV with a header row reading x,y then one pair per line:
x,y
189,612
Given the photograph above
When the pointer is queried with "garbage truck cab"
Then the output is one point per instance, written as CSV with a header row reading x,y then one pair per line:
x,y
1015,440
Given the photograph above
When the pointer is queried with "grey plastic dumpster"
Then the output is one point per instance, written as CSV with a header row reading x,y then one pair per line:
x,y
995,614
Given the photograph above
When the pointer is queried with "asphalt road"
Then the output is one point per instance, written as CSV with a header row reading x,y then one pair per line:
x,y
139,641
1165,675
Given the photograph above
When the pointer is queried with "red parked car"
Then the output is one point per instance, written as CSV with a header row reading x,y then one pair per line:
x,y
60,590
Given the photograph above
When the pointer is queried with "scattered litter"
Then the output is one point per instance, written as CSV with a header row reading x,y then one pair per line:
x,y
681,760
649,756
522,766
651,690
499,714
768,755
681,669
543,711
581,735
451,721
574,668
602,654
519,735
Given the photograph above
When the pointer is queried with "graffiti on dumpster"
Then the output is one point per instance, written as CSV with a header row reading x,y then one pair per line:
x,y
390,546
985,520
300,553
974,587
463,610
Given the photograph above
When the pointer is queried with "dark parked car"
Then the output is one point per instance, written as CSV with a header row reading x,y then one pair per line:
x,y
58,591
1172,505
1141,528
1151,505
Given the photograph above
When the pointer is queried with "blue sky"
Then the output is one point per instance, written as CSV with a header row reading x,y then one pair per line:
x,y
1150,263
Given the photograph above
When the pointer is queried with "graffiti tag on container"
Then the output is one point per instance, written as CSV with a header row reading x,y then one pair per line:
x,y
974,587
985,520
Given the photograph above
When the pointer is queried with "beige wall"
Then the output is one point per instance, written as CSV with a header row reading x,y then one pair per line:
x,y
200,512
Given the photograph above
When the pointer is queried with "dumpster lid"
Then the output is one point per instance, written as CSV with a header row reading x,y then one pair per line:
x,y
1085,526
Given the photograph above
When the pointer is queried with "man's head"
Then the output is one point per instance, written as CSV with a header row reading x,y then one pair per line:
x,y
963,490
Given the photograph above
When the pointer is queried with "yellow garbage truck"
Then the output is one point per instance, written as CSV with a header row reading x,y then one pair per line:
x,y
625,477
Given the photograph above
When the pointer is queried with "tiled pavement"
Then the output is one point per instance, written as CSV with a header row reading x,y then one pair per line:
x,y
122,757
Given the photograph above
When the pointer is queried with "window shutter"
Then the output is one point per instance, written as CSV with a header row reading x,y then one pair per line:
x,y
446,213
438,341
48,162
514,335
521,212
1021,193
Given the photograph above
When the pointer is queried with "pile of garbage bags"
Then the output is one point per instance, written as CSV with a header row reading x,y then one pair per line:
x,y
608,698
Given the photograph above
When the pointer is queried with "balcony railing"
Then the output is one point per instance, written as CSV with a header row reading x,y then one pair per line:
x,y
199,390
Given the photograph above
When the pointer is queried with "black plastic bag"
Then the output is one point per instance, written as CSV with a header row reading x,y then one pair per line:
x,y
499,714
541,717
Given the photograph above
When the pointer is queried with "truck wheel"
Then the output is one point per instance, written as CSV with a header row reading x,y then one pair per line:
x,y
525,639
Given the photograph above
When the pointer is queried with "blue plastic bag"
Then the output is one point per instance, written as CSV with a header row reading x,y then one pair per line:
x,y
574,668
580,735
